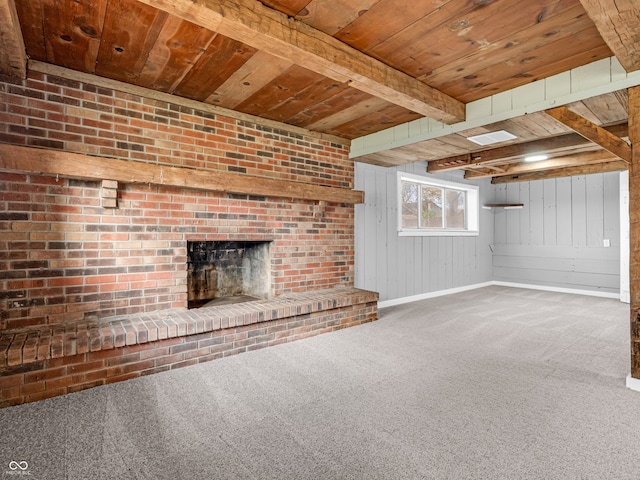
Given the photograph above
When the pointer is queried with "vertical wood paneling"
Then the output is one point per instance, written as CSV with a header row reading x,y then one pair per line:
x,y
549,215
595,210
381,228
447,267
393,241
525,232
569,217
434,273
536,213
561,210
513,216
563,207
366,235
398,267
579,210
500,218
426,266
417,266
611,216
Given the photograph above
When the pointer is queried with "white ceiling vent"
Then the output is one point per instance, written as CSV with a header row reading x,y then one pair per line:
x,y
492,137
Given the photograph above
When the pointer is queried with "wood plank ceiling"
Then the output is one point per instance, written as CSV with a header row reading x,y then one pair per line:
x,y
342,67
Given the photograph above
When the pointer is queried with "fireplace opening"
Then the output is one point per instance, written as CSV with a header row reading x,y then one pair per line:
x,y
222,272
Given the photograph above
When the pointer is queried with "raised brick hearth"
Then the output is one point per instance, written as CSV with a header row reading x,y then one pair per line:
x,y
43,363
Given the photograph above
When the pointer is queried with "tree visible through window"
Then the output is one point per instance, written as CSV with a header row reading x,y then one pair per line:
x,y
436,206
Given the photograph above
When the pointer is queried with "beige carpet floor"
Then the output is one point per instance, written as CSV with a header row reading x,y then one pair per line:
x,y
494,383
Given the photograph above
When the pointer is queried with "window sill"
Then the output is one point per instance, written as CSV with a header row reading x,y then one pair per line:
x,y
432,233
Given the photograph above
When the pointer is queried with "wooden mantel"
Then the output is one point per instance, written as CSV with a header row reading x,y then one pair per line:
x,y
75,165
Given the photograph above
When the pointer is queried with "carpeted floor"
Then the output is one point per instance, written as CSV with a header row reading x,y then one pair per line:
x,y
495,383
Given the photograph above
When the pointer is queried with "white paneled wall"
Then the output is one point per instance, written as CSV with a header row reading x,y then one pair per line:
x,y
558,238
399,267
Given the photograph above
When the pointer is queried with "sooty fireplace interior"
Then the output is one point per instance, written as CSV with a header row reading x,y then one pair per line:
x,y
227,272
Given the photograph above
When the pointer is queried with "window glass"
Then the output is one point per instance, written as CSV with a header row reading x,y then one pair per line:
x,y
409,205
455,208
436,207
431,207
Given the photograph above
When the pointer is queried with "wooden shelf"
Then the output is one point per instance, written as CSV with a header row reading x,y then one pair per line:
x,y
507,206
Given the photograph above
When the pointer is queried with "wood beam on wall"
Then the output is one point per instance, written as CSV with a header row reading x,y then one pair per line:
x,y
618,21
13,55
273,32
74,165
634,228
593,132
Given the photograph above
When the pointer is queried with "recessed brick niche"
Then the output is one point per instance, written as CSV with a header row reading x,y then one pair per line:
x,y
91,295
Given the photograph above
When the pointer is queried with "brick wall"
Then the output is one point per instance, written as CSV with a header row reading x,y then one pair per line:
x,y
65,258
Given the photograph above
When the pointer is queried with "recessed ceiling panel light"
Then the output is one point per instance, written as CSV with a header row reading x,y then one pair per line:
x,y
492,137
536,158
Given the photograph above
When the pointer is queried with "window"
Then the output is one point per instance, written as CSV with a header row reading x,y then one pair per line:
x,y
436,207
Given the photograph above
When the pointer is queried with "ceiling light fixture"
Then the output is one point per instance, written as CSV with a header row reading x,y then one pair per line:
x,y
492,137
536,158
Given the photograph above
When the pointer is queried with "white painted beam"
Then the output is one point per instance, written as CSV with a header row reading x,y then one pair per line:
x,y
597,78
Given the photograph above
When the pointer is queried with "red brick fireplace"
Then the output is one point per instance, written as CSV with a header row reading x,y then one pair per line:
x,y
95,276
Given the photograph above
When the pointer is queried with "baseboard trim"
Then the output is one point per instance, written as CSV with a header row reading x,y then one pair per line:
x,y
438,293
575,291
449,291
633,383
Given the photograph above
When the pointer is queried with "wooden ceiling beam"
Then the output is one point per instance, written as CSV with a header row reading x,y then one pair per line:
x,y
13,55
545,145
617,21
273,32
614,166
586,158
593,132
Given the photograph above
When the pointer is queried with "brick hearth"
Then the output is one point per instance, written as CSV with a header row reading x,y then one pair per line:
x,y
46,362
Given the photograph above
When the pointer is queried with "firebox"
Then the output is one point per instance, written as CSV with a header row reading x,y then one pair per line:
x,y
227,272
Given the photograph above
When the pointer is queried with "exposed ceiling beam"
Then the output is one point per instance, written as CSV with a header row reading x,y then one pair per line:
x,y
592,80
13,55
618,22
545,145
575,160
614,166
273,32
593,132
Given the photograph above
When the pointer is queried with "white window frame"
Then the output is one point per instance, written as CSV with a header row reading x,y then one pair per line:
x,y
472,208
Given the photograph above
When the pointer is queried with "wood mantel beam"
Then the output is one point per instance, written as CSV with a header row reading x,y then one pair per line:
x,y
13,55
593,132
618,23
273,32
75,165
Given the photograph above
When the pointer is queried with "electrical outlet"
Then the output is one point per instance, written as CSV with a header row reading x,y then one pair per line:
x,y
606,242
